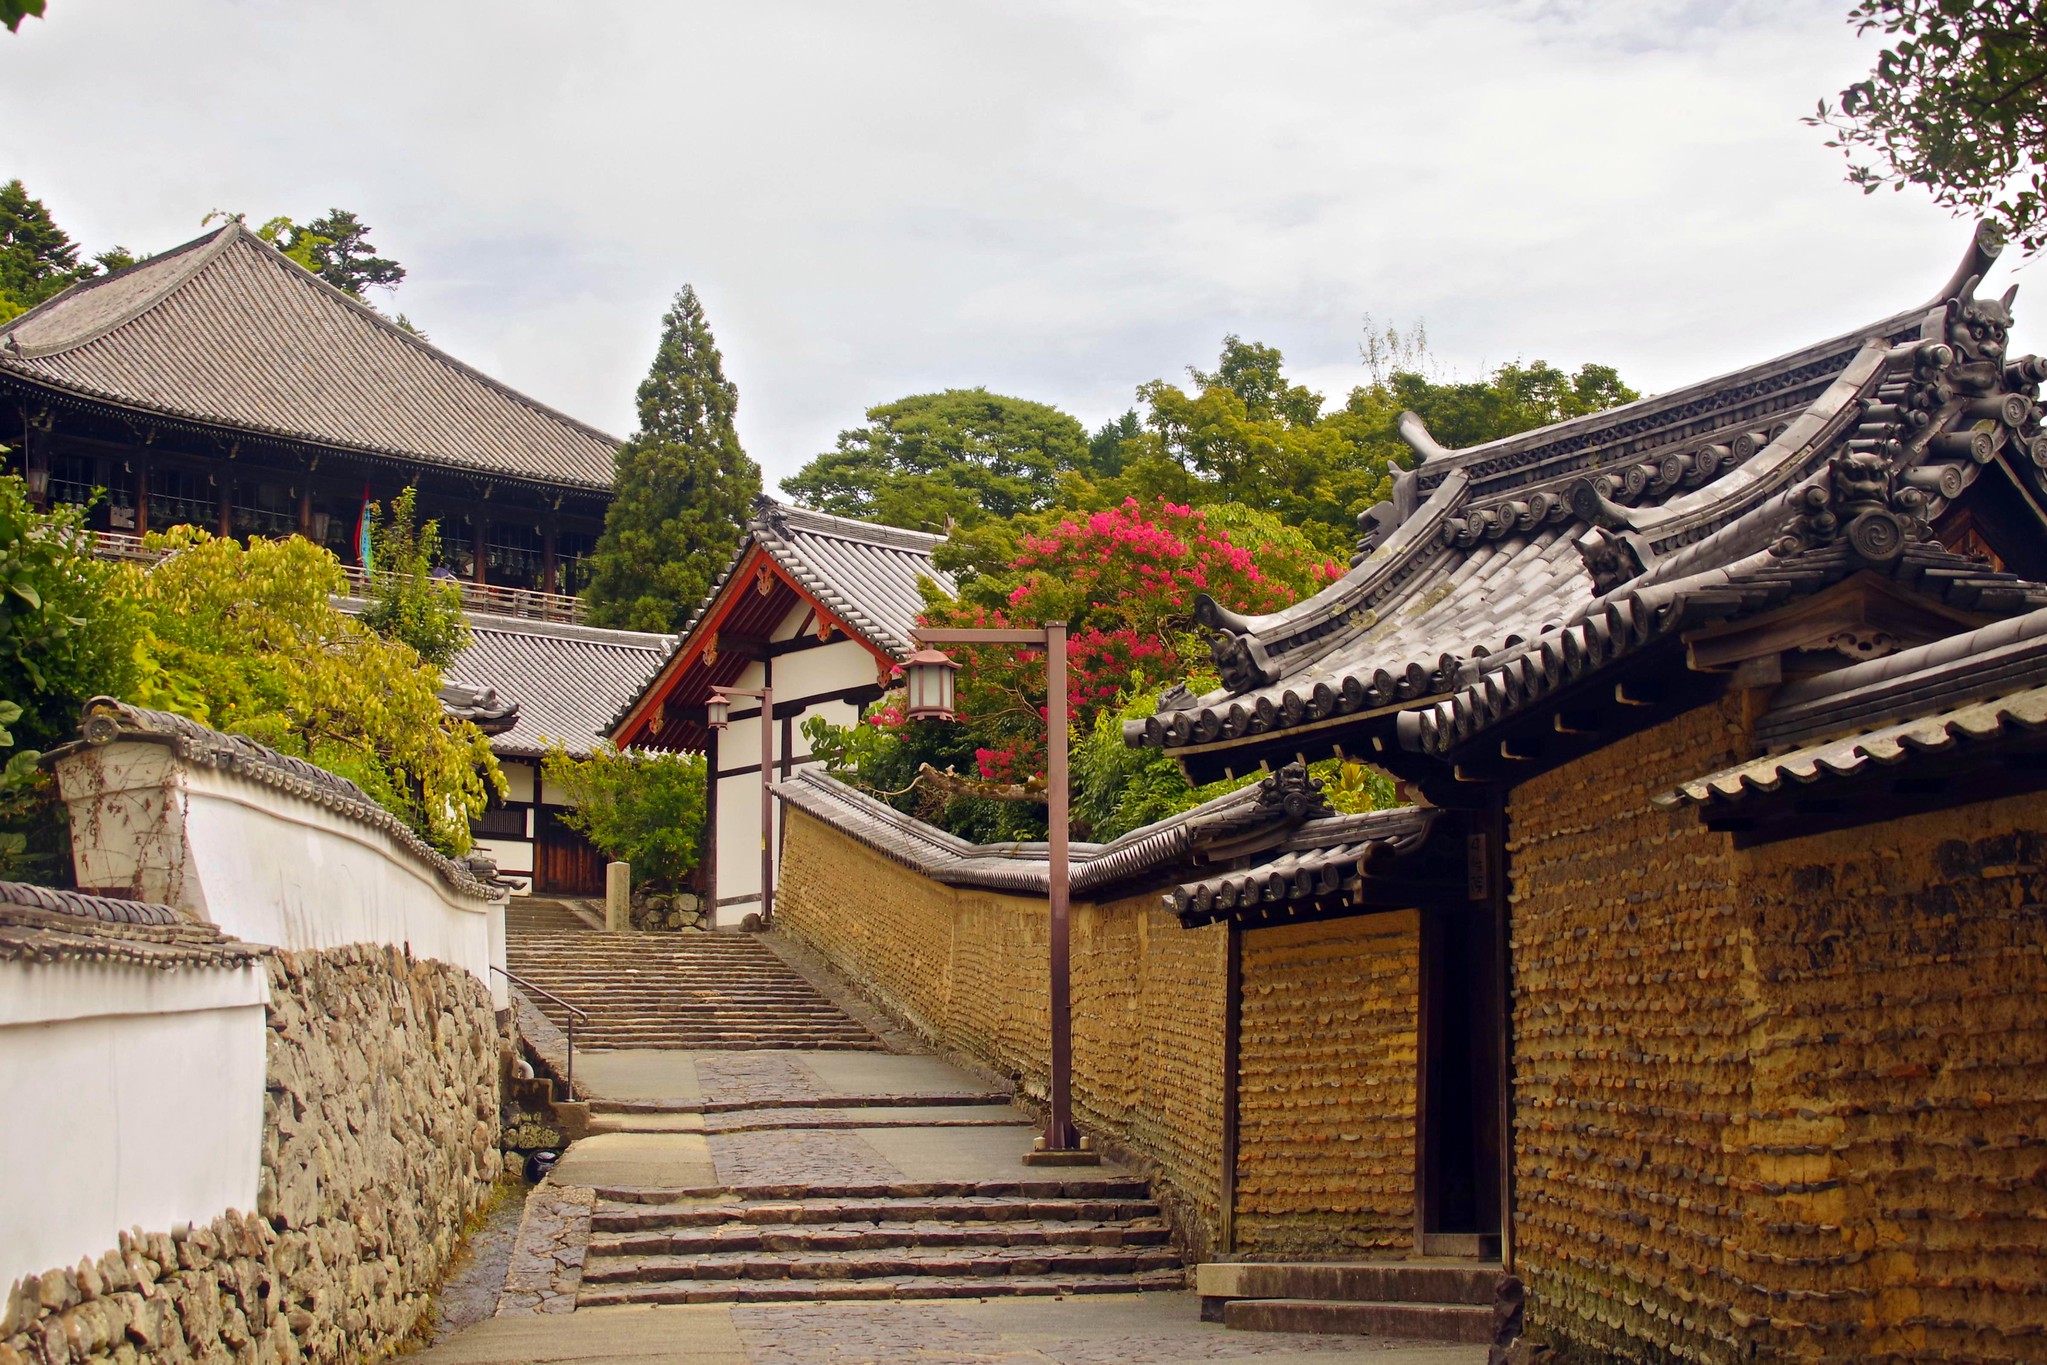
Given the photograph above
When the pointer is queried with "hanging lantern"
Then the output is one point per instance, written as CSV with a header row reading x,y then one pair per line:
x,y
928,677
717,709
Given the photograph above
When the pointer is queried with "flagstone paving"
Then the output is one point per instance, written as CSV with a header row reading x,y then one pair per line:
x,y
777,1207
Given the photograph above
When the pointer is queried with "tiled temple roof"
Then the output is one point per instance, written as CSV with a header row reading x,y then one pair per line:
x,y
1485,550
39,924
566,680
1324,859
864,576
225,331
1313,850
1981,687
1629,620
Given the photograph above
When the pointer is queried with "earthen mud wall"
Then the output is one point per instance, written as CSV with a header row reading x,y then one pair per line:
x,y
969,968
1326,1099
1783,1102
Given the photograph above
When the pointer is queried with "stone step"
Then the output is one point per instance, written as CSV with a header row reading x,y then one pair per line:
x,y
837,1237
895,1287
1360,1281
691,1196
809,1121
688,1045
1411,1321
621,1217
954,1098
889,1263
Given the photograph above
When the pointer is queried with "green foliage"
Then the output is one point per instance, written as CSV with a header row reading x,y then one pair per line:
x,y
685,487
65,636
1249,436
1117,788
407,603
247,641
643,808
12,12
65,633
335,247
938,460
1954,104
37,258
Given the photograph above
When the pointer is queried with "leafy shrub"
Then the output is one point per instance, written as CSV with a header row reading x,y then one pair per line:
x,y
247,641
643,808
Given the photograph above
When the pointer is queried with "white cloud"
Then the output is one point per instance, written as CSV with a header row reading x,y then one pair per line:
x,y
1060,200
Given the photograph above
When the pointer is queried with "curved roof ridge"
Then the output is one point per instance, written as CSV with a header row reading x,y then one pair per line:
x,y
849,528
180,265
303,276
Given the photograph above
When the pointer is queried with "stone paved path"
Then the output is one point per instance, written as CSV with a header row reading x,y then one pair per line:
x,y
796,1158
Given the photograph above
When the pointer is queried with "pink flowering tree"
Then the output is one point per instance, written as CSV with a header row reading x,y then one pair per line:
x,y
1124,579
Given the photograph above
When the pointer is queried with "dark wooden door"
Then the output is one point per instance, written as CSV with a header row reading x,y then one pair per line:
x,y
564,863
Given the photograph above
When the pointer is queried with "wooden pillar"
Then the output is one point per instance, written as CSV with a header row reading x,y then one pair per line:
x,y
35,464
141,496
547,573
227,507
306,508
479,527
710,844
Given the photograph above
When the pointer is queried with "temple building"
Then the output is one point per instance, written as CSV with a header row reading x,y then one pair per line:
x,y
221,385
815,610
1698,993
535,687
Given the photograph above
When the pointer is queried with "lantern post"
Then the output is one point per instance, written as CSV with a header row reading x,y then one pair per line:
x,y
928,677
717,713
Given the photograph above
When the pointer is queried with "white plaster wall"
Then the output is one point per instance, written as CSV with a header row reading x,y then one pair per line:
x,y
799,676
263,865
148,1104
823,668
520,775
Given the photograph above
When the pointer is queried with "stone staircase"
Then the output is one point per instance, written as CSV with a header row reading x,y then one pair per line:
x,y
1462,1301
810,1243
692,990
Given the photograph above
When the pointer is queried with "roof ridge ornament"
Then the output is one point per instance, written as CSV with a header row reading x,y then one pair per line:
x,y
1292,793
1856,506
1610,559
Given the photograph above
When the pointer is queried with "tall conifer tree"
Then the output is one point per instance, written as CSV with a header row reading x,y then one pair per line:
x,y
684,486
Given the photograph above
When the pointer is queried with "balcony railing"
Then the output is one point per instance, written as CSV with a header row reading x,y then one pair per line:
x,y
530,603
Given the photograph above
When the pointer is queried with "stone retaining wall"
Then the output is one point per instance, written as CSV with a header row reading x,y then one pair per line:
x,y
380,1133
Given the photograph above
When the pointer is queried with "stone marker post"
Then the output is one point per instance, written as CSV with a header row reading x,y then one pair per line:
x,y
618,896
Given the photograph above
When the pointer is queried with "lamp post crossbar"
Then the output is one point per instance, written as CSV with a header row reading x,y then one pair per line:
x,y
1062,1141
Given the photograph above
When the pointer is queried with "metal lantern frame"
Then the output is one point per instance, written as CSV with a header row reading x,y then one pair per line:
x,y
930,685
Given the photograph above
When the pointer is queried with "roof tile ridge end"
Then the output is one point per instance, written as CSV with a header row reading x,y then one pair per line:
x,y
200,252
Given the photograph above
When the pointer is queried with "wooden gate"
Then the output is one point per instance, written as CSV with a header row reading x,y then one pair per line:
x,y
564,863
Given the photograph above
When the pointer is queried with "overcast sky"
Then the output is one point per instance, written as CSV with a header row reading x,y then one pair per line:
x,y
1058,201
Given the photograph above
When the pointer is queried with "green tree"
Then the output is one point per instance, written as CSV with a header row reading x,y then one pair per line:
x,y
66,635
684,485
12,12
1957,103
938,460
336,247
407,603
247,640
646,809
38,259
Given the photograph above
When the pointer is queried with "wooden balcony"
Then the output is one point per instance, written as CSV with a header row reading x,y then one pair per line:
x,y
488,598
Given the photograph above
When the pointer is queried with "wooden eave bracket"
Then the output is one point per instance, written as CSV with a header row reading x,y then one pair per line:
x,y
1866,607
